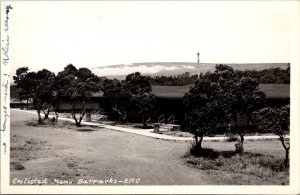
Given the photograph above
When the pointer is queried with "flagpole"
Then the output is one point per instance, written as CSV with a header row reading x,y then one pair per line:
x,y
198,63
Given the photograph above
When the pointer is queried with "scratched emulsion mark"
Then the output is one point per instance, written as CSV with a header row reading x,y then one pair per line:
x,y
5,44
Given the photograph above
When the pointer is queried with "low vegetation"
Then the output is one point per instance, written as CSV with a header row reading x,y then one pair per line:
x,y
176,133
49,123
23,149
229,167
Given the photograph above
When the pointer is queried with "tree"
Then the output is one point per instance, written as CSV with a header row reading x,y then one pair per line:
x,y
76,85
138,84
144,102
141,96
23,84
227,95
43,91
249,99
211,101
13,92
38,86
118,95
220,98
134,92
277,121
201,108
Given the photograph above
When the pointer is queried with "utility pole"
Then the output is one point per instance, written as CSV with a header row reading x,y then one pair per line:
x,y
198,55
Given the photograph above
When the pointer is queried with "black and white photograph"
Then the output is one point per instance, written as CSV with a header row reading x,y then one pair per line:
x,y
150,97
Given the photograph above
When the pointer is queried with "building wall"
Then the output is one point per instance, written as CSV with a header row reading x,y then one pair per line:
x,y
64,105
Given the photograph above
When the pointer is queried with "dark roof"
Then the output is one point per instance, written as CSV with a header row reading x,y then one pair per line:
x,y
271,90
177,92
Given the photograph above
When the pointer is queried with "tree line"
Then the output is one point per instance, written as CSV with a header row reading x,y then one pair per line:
x,y
77,86
45,88
267,76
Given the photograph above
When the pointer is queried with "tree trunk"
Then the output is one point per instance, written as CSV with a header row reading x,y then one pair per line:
x,y
242,139
196,138
80,118
122,116
27,103
287,149
39,116
144,122
239,147
286,160
200,141
76,121
56,114
74,114
46,113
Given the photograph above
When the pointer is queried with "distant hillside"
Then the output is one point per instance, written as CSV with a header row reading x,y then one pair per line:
x,y
173,68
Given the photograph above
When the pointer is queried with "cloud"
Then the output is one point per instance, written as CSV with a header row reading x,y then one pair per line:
x,y
126,69
189,67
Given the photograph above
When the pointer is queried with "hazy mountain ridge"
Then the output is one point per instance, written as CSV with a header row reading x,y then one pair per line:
x,y
174,68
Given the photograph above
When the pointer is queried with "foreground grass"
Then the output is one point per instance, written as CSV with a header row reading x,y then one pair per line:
x,y
23,149
229,168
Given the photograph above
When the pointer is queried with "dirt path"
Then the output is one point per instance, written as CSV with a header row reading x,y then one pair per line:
x,y
100,154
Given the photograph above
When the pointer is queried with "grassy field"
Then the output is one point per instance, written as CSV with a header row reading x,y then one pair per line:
x,y
253,167
246,169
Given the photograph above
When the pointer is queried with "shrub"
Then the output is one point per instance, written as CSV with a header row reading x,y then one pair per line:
x,y
17,166
276,165
239,148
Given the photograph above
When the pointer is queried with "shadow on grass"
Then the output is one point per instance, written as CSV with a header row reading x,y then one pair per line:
x,y
85,130
208,153
48,123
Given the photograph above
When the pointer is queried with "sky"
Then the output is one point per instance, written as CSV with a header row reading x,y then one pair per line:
x,y
94,34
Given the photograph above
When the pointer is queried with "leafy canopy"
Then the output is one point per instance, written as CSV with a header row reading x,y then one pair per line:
x,y
76,83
